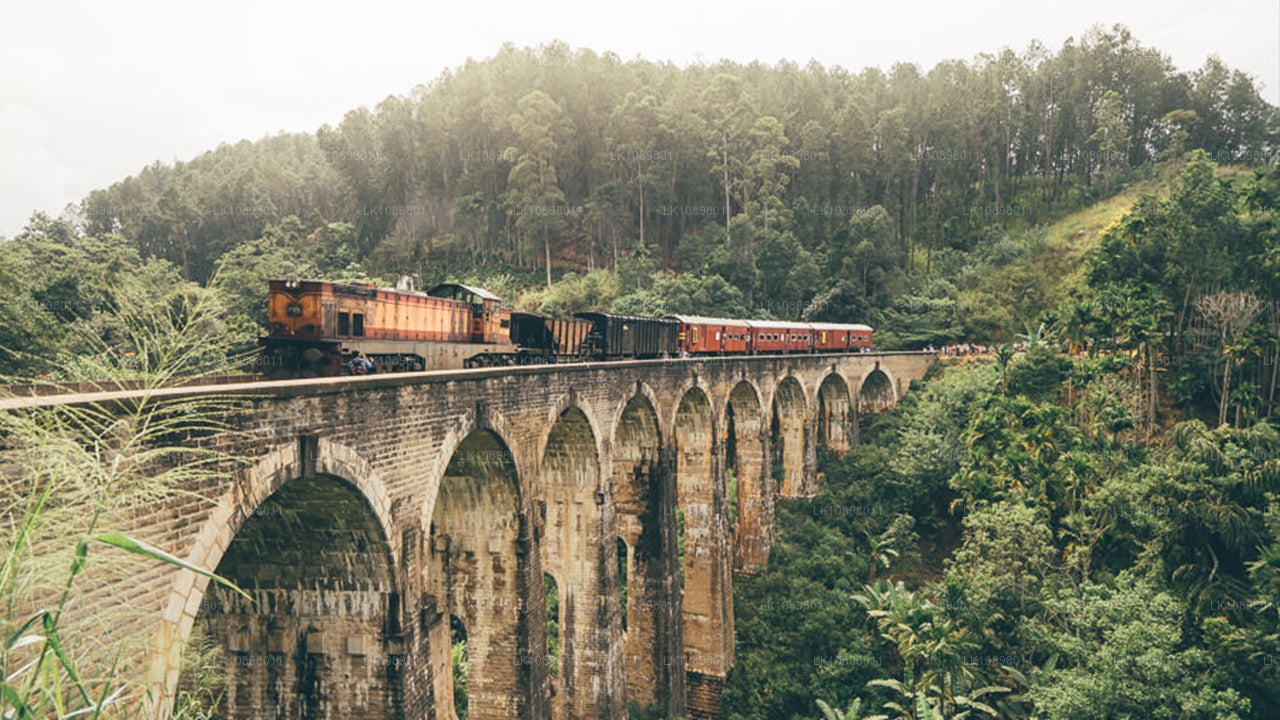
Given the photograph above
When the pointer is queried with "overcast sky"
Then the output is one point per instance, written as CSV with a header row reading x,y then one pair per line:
x,y
92,91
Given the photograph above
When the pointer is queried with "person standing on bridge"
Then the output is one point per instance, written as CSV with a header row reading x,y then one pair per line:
x,y
360,365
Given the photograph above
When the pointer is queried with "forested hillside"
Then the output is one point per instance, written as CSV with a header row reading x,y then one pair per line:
x,y
585,154
812,191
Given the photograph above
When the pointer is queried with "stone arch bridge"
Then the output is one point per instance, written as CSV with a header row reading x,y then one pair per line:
x,y
381,519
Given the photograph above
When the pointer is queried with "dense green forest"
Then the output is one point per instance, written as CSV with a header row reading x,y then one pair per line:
x,y
1082,525
995,548
579,157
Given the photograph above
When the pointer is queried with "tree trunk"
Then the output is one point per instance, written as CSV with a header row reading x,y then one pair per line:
x,y
725,153
1271,393
1226,389
1182,316
546,242
640,182
1151,420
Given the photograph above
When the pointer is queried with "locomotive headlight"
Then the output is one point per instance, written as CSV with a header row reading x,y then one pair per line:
x,y
293,309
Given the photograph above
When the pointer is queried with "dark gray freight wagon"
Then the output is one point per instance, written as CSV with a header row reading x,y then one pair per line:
x,y
629,336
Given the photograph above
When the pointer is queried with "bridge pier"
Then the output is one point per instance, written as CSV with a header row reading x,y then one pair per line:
x,y
747,455
706,598
809,488
579,550
481,586
644,496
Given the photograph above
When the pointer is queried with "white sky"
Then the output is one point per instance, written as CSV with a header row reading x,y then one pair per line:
x,y
90,92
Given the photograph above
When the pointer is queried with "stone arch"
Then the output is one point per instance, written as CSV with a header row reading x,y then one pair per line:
x,y
642,391
876,391
788,437
835,412
320,637
224,521
642,476
475,569
578,551
746,457
706,600
564,404
477,418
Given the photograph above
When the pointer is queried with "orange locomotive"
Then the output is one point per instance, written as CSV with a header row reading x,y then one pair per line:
x,y
317,327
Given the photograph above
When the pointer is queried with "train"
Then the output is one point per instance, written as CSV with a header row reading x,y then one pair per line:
x,y
319,328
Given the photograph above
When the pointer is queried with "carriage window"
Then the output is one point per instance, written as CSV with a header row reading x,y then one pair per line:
x,y
357,324
344,323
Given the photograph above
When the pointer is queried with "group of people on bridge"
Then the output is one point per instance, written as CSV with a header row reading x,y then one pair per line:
x,y
963,350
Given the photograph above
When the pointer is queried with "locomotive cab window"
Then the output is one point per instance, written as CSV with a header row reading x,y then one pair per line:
x,y
344,323
357,324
